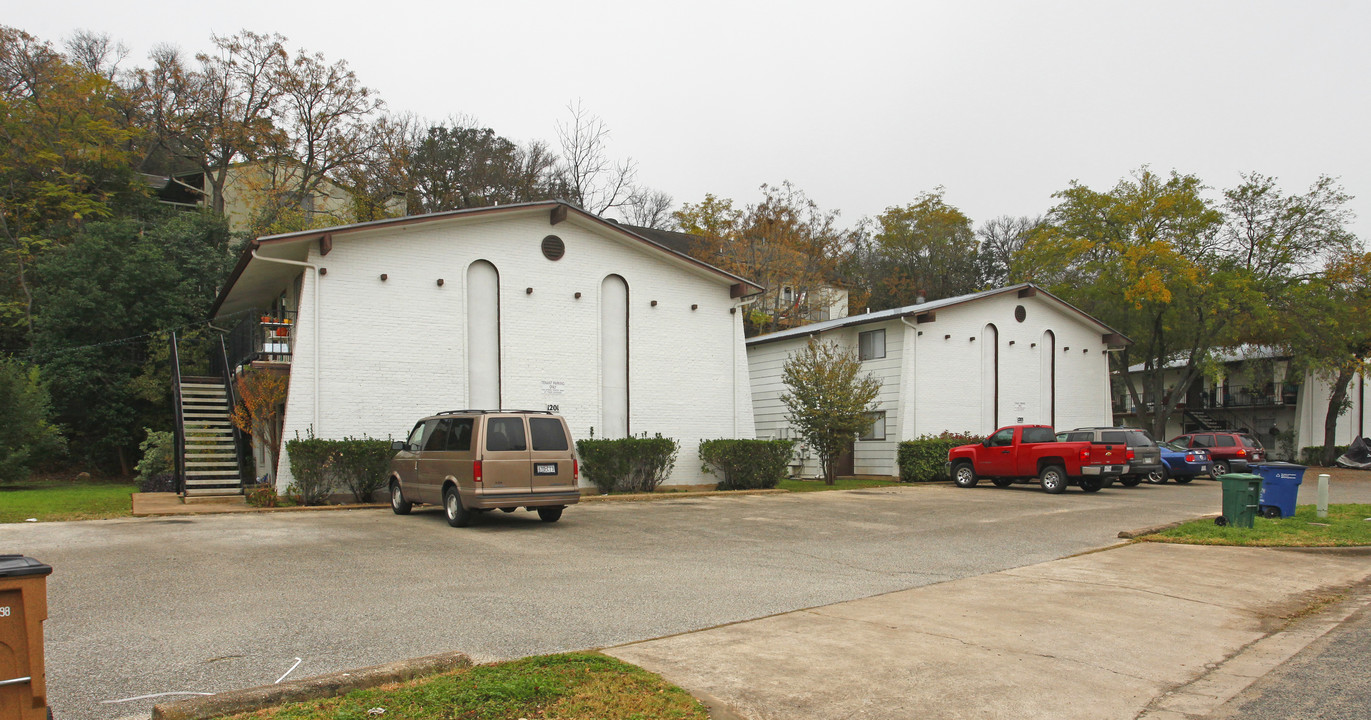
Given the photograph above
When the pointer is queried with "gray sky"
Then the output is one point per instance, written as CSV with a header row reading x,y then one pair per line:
x,y
863,105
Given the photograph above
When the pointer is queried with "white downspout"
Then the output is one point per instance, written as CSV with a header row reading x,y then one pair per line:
x,y
742,323
314,322
912,363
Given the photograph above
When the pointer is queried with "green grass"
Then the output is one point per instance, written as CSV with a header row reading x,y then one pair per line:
x,y
1345,526
571,685
839,484
50,500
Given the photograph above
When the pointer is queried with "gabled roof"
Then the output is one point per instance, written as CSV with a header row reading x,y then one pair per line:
x,y
1237,354
558,212
921,308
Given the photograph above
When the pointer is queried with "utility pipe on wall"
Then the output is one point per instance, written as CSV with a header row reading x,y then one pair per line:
x,y
314,322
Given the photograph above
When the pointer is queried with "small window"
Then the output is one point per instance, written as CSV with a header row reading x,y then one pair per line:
x,y
460,439
871,345
437,440
1114,437
1203,441
505,435
1038,435
1080,436
876,430
1003,438
416,436
547,434
1225,440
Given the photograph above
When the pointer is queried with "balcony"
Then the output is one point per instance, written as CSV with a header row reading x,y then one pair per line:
x,y
261,338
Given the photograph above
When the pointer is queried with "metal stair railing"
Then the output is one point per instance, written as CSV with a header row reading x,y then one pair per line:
x,y
241,445
180,417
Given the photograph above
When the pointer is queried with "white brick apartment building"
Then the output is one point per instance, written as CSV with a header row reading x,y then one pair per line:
x,y
530,306
964,364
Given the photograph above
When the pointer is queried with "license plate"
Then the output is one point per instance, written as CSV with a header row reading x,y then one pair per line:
x,y
1113,469
545,468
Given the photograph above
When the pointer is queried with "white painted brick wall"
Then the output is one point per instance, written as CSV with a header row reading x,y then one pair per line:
x,y
394,351
932,383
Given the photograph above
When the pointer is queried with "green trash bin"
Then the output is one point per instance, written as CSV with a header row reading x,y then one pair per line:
x,y
1241,493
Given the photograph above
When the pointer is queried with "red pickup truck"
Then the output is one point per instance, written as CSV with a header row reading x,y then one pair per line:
x,y
1023,453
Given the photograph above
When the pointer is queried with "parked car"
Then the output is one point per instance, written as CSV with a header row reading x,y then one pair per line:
x,y
471,461
1181,464
1145,459
1025,453
1230,451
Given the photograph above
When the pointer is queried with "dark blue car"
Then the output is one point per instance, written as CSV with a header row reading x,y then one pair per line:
x,y
1181,464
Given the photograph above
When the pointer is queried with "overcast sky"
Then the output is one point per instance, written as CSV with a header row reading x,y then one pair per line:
x,y
863,105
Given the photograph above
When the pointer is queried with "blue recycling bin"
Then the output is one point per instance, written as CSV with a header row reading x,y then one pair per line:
x,y
1280,487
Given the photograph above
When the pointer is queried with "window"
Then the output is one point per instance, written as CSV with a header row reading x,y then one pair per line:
x,y
1139,438
416,436
1114,437
1225,440
505,435
547,434
1038,435
1003,438
1203,441
460,439
437,439
876,430
871,345
1249,441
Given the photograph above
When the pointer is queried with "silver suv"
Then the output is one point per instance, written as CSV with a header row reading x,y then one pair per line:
x,y
1145,458
472,461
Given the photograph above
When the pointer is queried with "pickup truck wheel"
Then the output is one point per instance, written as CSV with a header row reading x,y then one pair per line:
x,y
1053,479
1003,482
457,516
1091,484
1158,476
550,514
964,475
1130,481
398,504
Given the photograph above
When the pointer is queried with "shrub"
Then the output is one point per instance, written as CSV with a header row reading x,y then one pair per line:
x,y
635,464
263,495
925,458
159,482
309,461
1313,455
27,434
360,465
159,456
746,464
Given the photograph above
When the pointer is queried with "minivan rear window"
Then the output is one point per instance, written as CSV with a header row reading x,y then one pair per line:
x,y
547,434
505,434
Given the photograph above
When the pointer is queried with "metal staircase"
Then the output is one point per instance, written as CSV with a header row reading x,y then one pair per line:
x,y
1204,420
210,450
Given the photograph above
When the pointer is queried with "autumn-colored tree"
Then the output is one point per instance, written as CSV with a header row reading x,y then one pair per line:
x,y
63,160
830,404
260,397
925,249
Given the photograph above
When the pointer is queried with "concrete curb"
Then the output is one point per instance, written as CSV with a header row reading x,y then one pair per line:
x,y
647,497
322,686
239,510
1130,534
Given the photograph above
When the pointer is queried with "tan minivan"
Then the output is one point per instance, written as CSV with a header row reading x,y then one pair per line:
x,y
470,461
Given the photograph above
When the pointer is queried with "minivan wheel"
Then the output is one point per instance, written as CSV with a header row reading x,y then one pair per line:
x,y
398,503
457,516
551,514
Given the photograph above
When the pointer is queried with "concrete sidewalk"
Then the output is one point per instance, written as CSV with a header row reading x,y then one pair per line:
x,y
1169,631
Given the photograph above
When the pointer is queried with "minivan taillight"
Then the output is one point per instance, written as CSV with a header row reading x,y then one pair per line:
x,y
575,469
476,471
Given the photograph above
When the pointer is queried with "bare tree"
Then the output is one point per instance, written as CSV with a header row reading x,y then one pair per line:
x,y
592,180
649,208
96,53
1001,239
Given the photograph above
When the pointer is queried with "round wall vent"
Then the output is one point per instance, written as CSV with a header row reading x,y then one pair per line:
x,y
553,247
1019,312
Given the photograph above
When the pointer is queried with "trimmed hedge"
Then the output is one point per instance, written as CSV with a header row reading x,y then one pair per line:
x,y
746,464
1313,455
634,464
322,467
925,459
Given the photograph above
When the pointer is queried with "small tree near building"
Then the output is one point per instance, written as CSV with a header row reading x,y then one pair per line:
x,y
260,395
830,403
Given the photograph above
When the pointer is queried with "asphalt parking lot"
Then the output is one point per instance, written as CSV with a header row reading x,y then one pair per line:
x,y
211,603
